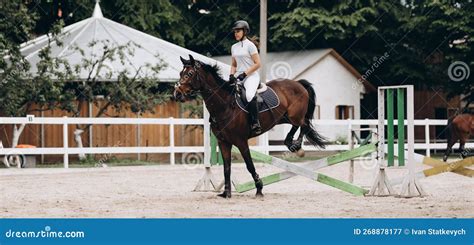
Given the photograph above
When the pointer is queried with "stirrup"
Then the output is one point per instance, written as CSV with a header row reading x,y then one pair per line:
x,y
257,128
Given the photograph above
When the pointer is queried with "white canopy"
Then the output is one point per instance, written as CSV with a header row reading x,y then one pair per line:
x,y
97,28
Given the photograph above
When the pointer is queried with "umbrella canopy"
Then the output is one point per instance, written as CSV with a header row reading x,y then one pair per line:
x,y
104,31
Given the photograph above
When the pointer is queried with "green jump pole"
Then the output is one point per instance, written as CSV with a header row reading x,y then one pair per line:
x,y
216,157
390,128
312,166
401,126
213,149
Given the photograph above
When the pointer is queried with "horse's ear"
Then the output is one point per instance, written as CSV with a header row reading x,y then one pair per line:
x,y
183,60
191,59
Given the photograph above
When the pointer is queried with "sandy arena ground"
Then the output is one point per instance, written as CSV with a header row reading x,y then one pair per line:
x,y
166,191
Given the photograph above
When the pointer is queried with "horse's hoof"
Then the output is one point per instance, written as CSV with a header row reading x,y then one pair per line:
x,y
300,153
292,148
225,194
259,195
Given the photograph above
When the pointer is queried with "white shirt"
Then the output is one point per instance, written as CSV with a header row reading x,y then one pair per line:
x,y
242,53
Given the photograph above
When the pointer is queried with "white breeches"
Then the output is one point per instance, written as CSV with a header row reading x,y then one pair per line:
x,y
251,84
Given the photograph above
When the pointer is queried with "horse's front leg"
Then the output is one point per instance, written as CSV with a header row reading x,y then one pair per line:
x,y
245,152
225,149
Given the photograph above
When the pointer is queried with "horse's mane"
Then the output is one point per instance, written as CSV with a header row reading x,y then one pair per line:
x,y
215,71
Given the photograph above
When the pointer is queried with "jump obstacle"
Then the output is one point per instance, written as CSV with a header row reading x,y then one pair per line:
x,y
439,167
308,170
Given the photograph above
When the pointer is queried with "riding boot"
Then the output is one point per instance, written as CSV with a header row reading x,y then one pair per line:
x,y
252,107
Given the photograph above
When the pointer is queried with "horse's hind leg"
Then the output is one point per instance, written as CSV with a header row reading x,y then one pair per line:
x,y
299,140
463,152
245,152
451,142
289,139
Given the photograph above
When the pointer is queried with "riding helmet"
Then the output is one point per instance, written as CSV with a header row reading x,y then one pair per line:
x,y
242,24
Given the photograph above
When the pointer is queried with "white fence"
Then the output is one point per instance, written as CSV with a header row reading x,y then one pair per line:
x,y
66,150
172,149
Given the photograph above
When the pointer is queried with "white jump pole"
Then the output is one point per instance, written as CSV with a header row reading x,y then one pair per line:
x,y
411,187
207,181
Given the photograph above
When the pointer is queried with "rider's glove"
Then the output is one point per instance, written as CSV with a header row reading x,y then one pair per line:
x,y
242,76
232,79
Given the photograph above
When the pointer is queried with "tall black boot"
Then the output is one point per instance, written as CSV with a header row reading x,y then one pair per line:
x,y
252,107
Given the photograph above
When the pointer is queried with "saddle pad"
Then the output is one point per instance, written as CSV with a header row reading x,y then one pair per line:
x,y
270,101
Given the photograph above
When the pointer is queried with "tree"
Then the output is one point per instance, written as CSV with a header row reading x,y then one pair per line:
x,y
22,93
107,87
57,84
421,38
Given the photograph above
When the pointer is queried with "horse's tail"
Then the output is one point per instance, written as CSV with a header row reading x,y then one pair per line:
x,y
312,136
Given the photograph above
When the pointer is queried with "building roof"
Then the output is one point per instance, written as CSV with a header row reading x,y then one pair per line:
x,y
291,64
98,28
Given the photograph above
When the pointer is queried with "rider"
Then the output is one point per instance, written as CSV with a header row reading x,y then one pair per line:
x,y
245,66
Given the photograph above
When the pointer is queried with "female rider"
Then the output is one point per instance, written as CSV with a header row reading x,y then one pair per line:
x,y
244,68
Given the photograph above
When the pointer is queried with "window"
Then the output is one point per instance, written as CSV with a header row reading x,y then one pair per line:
x,y
317,113
344,112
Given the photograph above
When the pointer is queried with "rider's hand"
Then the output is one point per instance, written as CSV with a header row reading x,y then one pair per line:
x,y
232,79
242,76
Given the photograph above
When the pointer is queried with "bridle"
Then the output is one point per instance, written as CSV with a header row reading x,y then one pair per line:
x,y
193,74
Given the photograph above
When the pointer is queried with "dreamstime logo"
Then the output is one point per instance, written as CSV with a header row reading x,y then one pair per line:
x,y
368,162
458,71
281,69
377,62
192,160
101,163
46,233
14,158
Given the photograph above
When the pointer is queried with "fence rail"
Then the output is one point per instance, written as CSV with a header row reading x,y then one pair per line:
x,y
66,150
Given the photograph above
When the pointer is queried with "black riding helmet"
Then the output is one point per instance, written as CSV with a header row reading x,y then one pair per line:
x,y
242,24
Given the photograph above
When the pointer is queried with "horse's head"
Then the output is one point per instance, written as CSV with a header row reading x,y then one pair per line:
x,y
189,82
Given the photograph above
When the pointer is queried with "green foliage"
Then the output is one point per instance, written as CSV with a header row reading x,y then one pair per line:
x,y
333,20
159,18
422,38
194,109
110,88
57,84
21,92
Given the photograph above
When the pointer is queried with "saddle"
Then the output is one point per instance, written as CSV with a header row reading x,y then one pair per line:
x,y
266,99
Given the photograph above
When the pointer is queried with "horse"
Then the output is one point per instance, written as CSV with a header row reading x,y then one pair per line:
x,y
460,127
230,124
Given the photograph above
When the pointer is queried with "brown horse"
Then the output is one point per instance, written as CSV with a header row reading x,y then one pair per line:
x,y
460,127
230,124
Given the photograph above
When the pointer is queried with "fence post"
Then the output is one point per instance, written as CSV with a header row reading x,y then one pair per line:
x,y
65,143
427,137
172,160
401,126
390,129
